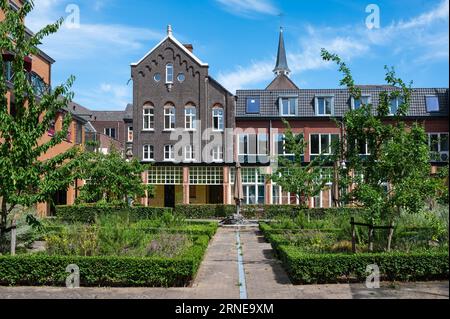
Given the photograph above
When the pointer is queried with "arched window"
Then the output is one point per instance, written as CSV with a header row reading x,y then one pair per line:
x,y
169,117
190,117
169,73
218,118
148,117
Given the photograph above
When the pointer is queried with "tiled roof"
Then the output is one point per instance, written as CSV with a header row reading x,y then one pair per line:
x,y
342,101
108,116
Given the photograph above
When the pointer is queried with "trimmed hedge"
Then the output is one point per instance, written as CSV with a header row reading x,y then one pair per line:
x,y
196,229
205,211
88,213
37,270
334,268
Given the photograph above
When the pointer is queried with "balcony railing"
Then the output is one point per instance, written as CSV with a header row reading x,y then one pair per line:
x,y
39,86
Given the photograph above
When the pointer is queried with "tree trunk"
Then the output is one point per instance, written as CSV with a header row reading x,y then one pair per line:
x,y
390,235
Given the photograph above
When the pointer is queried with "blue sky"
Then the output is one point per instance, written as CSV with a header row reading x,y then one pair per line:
x,y
238,38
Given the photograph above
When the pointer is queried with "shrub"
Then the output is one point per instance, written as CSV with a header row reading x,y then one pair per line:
x,y
89,213
38,270
306,268
205,211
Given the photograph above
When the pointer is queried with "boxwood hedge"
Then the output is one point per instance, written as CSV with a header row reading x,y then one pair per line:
x,y
40,269
306,268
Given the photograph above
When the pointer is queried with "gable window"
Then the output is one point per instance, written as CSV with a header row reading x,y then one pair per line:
x,y
324,105
439,144
148,117
288,106
169,118
322,144
169,73
190,117
130,134
363,100
148,153
253,105
218,123
111,132
217,153
394,105
432,103
189,153
168,153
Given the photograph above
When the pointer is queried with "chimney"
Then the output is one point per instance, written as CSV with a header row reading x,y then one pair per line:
x,y
189,47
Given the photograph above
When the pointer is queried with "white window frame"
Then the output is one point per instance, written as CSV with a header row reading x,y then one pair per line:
x,y
169,150
275,147
109,129
217,154
398,101
189,153
329,152
192,118
170,112
220,119
289,98
130,133
439,144
150,151
148,116
258,148
368,96
169,66
316,104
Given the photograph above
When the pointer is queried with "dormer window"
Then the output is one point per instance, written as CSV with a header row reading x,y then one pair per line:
x,y
324,105
169,73
363,100
288,106
394,105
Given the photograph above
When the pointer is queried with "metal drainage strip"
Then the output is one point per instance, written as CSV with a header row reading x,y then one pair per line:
x,y
242,285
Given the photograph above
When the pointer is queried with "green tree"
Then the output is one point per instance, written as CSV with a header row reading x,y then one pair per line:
x,y
294,175
111,179
396,174
24,179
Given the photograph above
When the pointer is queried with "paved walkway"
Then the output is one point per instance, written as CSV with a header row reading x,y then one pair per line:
x,y
218,278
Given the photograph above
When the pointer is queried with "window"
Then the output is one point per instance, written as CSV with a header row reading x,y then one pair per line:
x,y
206,175
130,134
217,154
9,71
253,105
394,105
322,144
111,132
181,77
253,148
288,106
253,182
363,147
169,73
148,153
79,133
432,103
149,117
218,123
189,153
439,144
364,100
280,146
157,77
190,116
163,175
168,153
169,118
324,105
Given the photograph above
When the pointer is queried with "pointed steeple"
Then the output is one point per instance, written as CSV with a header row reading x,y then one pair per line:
x,y
282,65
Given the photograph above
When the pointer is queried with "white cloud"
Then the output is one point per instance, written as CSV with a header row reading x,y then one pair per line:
x,y
107,96
249,7
422,39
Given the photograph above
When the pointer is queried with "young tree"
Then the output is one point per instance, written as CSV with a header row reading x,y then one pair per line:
x,y
24,179
396,174
109,178
305,180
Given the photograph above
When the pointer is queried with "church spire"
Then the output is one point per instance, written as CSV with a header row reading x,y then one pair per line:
x,y
282,65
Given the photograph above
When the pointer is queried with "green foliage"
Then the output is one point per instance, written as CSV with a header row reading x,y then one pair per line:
x,y
106,185
112,271
306,268
89,213
24,179
205,211
305,180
